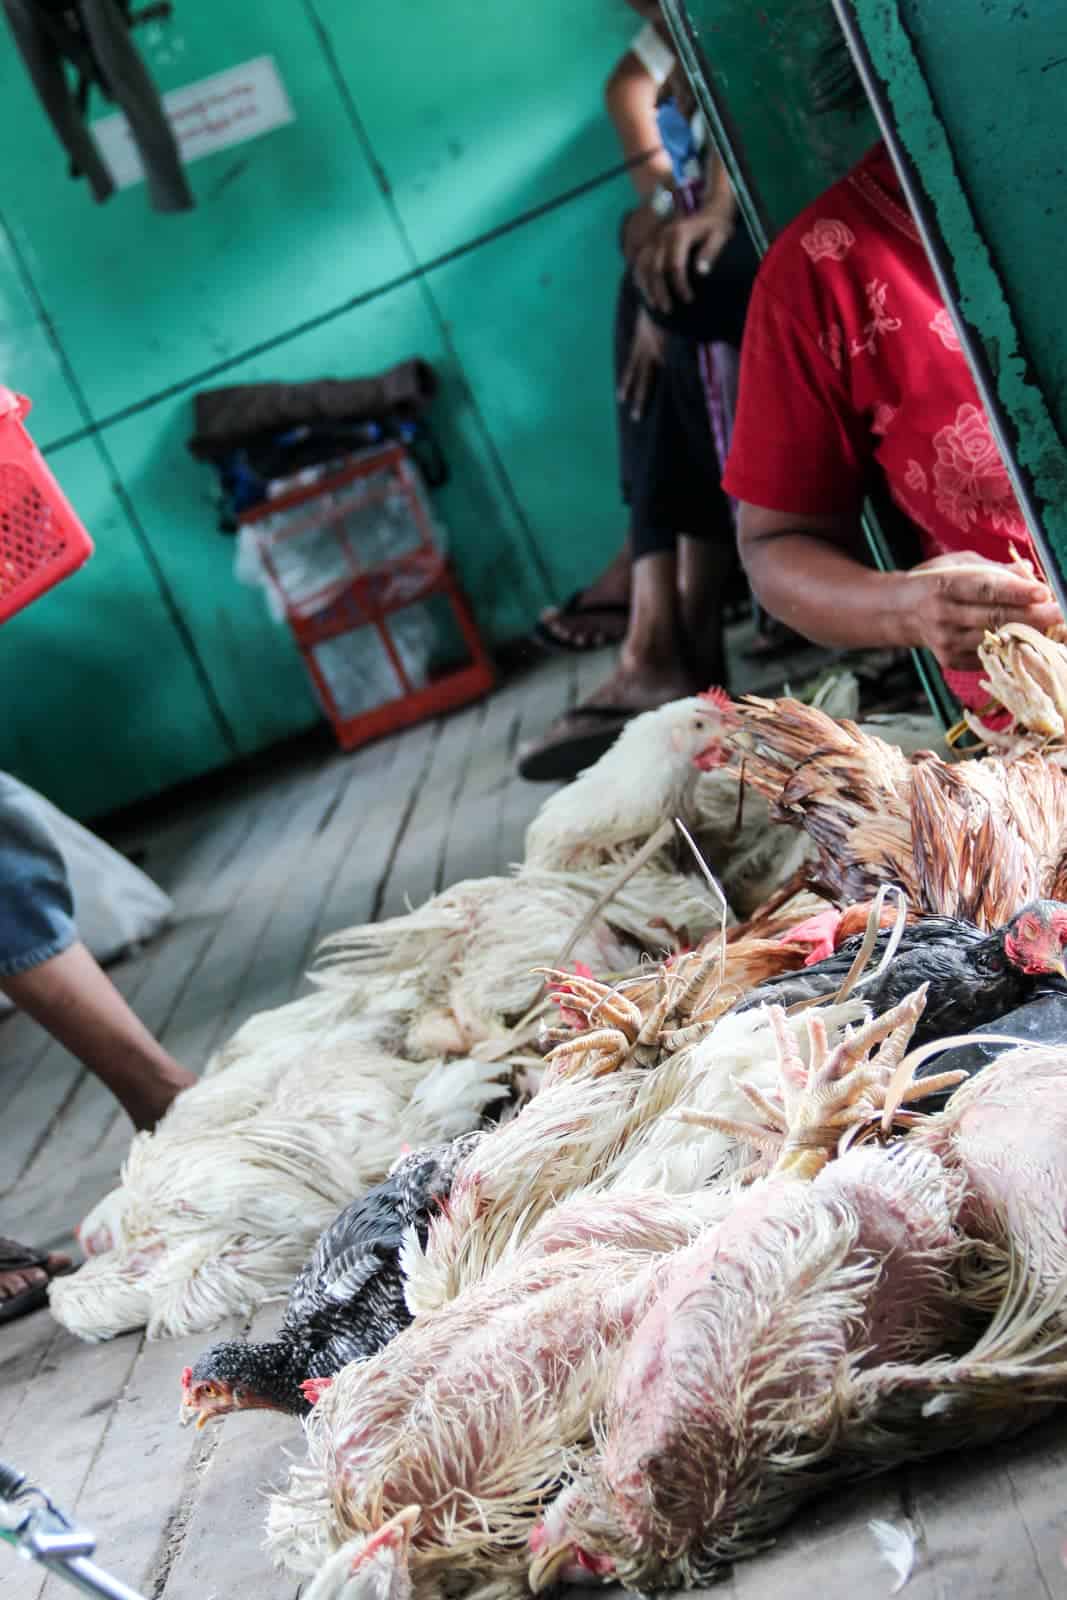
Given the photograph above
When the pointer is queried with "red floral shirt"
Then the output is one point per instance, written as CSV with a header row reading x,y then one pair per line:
x,y
850,358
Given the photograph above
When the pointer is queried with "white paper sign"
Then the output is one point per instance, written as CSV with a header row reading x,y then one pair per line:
x,y
228,108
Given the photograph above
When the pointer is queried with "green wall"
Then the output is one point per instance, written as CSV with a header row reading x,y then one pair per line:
x,y
449,188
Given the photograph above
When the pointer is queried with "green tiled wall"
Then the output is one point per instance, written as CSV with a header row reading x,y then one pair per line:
x,y
421,132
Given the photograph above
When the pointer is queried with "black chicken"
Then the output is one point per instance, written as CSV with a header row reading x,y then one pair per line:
x,y
974,977
346,1304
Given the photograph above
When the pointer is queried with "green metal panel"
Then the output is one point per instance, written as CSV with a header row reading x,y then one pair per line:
x,y
286,226
253,665
419,131
539,356
102,702
25,348
489,111
970,96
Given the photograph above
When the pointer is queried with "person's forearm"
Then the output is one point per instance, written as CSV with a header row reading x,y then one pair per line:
x,y
826,595
630,96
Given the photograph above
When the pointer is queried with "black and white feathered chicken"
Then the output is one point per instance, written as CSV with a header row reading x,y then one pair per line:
x,y
346,1304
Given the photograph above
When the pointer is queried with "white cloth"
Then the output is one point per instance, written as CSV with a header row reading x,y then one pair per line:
x,y
656,57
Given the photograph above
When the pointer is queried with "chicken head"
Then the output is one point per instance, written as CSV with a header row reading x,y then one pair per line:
x,y
1035,938
720,720
243,1377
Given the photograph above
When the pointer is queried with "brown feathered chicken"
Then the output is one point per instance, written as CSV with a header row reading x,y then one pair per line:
x,y
975,840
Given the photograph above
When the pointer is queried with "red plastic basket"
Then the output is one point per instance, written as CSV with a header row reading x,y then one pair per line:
x,y
41,540
373,596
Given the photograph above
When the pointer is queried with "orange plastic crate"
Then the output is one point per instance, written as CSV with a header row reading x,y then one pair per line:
x,y
41,540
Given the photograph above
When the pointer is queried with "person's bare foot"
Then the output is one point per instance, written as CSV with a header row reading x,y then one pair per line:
x,y
642,688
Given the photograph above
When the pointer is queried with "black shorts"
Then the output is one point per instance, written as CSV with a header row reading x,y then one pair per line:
x,y
670,468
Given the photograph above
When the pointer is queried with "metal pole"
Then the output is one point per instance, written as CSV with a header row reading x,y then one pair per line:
x,y
43,1534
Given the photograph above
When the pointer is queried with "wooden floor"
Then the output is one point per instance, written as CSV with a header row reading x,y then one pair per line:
x,y
259,875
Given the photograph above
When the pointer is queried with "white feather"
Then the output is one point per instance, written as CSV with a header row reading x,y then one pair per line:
x,y
897,1547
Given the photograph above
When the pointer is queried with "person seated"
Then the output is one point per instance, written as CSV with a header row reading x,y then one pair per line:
x,y
46,971
688,279
852,374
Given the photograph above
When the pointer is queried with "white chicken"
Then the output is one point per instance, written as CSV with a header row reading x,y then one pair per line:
x,y
220,1205
608,813
470,954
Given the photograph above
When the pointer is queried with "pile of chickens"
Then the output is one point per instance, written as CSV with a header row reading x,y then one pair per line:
x,y
419,1027
751,1215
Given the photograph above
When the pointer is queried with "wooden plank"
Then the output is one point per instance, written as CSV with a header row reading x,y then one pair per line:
x,y
473,846
548,692
139,1516
221,1548
23,1348
412,873
418,863
1036,1469
246,890
340,835
22,1044
359,894
59,1423
259,943
830,1544
994,1524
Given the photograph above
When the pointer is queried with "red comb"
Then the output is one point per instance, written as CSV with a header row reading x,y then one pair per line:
x,y
718,698
187,1374
313,1389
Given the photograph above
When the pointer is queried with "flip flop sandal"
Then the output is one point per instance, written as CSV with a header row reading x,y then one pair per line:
x,y
16,1257
574,742
613,632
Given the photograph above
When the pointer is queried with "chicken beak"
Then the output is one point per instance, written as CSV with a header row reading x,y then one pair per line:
x,y
1058,967
187,1412
547,1568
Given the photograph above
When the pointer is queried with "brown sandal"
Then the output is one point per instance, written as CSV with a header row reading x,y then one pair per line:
x,y
15,1257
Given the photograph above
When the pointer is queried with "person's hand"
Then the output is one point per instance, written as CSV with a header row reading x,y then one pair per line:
x,y
642,365
955,599
661,266
639,228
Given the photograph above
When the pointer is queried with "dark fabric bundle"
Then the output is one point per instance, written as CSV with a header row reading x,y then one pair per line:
x,y
235,418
